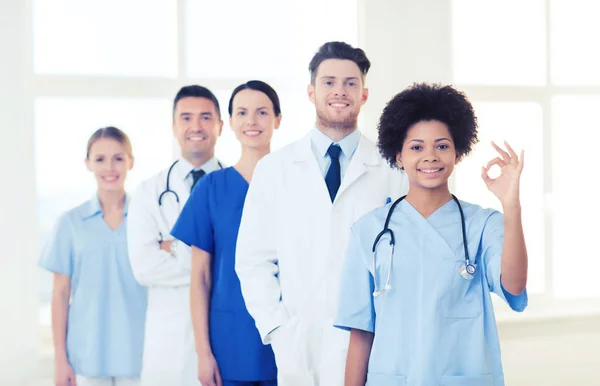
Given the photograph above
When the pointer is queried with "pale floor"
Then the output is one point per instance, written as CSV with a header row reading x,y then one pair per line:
x,y
551,351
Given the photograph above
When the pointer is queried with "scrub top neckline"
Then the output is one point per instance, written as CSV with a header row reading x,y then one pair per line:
x,y
115,230
239,174
434,214
99,211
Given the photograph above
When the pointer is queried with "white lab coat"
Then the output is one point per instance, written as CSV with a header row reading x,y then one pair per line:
x,y
290,227
169,353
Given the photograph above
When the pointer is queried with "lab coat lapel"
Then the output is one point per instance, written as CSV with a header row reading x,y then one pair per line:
x,y
171,209
365,157
180,187
306,169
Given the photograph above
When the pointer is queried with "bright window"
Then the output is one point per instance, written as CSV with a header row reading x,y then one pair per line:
x,y
575,234
62,129
133,38
520,124
534,85
572,23
499,43
263,39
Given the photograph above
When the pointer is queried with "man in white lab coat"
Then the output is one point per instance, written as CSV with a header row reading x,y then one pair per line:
x,y
161,263
296,222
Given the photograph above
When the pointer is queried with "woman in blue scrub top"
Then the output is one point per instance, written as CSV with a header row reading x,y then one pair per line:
x,y
98,309
433,323
230,351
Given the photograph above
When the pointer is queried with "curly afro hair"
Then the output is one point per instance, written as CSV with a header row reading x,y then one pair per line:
x,y
426,102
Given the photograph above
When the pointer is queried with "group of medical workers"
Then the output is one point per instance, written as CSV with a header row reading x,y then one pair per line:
x,y
331,261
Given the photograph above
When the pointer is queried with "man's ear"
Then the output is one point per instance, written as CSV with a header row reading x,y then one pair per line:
x,y
311,92
365,95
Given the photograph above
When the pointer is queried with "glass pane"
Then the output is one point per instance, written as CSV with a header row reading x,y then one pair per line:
x,y
574,30
575,138
228,148
62,128
239,38
297,119
298,116
263,38
499,42
520,124
134,38
321,21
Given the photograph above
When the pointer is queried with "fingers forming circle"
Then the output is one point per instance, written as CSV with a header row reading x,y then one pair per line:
x,y
496,161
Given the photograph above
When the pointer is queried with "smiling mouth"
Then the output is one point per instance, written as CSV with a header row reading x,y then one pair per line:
x,y
339,105
110,178
252,133
430,171
197,138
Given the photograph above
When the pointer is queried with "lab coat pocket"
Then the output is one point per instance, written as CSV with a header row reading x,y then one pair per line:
x,y
468,380
374,379
289,347
464,297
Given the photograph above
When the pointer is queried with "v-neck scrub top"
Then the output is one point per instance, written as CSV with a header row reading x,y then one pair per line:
x,y
106,317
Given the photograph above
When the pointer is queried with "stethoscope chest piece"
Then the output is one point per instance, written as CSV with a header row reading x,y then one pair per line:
x,y
383,290
467,271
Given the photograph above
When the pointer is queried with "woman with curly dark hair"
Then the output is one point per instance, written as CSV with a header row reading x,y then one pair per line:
x,y
421,313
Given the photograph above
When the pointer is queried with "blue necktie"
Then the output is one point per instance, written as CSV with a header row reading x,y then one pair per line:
x,y
196,175
333,178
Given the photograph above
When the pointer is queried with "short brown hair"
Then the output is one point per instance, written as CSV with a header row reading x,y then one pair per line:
x,y
338,50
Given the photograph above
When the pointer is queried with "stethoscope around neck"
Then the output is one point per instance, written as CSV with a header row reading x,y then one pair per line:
x,y
466,270
168,189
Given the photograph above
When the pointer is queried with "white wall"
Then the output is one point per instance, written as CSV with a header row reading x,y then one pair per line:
x,y
553,361
18,224
406,42
553,352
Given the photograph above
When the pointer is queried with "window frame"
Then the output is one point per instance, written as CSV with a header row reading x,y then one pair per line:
x,y
542,95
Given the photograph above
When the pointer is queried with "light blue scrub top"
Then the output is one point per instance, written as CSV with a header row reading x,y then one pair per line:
x,y
210,220
433,327
105,326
